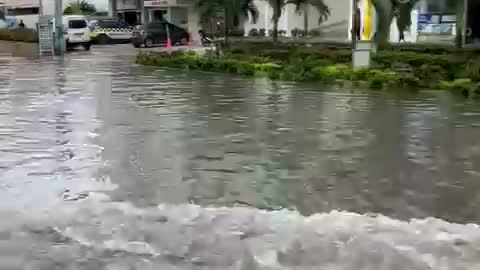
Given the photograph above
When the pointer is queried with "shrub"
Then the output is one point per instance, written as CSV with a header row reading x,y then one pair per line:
x,y
253,32
359,74
377,78
261,59
407,80
237,33
282,33
472,69
430,75
262,32
20,35
303,64
314,33
463,86
332,72
6,35
296,32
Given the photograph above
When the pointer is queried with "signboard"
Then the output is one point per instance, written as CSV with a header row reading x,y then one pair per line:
x,y
156,3
167,3
436,23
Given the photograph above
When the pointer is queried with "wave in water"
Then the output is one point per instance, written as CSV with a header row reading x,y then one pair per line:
x,y
195,237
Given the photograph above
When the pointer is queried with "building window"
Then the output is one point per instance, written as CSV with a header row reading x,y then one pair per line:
x,y
23,11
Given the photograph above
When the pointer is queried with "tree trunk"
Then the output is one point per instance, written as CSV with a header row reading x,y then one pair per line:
x,y
352,31
384,10
305,18
277,12
226,26
275,30
461,9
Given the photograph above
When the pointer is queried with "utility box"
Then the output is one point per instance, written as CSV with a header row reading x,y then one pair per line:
x,y
361,55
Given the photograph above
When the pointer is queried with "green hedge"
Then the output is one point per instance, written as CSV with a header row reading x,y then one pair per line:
x,y
20,35
390,70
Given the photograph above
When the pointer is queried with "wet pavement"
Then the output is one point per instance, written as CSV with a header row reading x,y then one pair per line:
x,y
108,165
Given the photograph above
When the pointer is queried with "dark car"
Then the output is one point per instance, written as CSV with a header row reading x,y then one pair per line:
x,y
156,34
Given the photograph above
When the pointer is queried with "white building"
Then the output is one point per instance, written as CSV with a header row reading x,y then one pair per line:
x,y
29,10
179,12
337,26
339,23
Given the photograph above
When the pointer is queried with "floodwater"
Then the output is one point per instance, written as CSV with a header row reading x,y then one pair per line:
x,y
109,165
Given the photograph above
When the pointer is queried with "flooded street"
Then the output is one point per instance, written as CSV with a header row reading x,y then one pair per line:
x,y
109,165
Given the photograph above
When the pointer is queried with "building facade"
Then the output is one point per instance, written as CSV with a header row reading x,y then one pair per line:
x,y
28,10
337,26
179,12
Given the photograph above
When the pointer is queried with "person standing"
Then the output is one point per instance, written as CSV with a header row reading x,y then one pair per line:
x,y
21,24
357,24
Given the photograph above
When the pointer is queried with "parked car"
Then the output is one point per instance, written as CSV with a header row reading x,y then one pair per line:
x,y
156,34
105,31
76,32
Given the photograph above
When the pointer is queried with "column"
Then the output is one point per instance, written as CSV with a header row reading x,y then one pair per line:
x,y
193,25
112,8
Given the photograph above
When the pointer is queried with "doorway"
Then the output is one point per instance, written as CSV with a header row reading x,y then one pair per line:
x,y
473,23
159,15
130,17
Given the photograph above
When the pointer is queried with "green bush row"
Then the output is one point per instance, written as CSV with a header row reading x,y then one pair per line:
x,y
323,67
20,35
312,70
428,68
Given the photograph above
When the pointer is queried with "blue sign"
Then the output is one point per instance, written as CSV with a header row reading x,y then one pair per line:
x,y
424,19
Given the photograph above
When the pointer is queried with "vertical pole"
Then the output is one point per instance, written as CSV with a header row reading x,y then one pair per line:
x,y
40,7
59,42
267,18
352,30
368,20
465,22
305,18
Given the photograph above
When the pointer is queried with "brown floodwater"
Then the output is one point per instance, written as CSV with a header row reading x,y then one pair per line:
x,y
109,165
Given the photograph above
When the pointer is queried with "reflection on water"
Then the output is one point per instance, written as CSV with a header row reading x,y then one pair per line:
x,y
96,126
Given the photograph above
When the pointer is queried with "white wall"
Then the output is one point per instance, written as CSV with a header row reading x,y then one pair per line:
x,y
336,26
126,4
194,25
410,35
48,7
30,21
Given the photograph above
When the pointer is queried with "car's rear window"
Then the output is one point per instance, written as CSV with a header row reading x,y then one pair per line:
x,y
77,24
156,26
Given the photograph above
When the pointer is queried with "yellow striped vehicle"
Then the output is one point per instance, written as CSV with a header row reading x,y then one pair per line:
x,y
109,31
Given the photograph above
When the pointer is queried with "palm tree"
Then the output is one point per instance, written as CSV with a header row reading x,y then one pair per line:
x,y
229,9
385,13
279,5
80,7
386,10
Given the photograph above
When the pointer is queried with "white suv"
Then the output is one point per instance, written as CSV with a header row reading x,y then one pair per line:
x,y
76,32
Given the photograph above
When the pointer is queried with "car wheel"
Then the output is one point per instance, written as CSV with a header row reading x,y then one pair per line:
x,y
87,46
103,39
148,43
68,47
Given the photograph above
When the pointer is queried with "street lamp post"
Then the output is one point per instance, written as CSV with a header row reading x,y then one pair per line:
x,y
59,42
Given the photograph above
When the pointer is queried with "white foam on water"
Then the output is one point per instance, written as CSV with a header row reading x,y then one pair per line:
x,y
195,237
